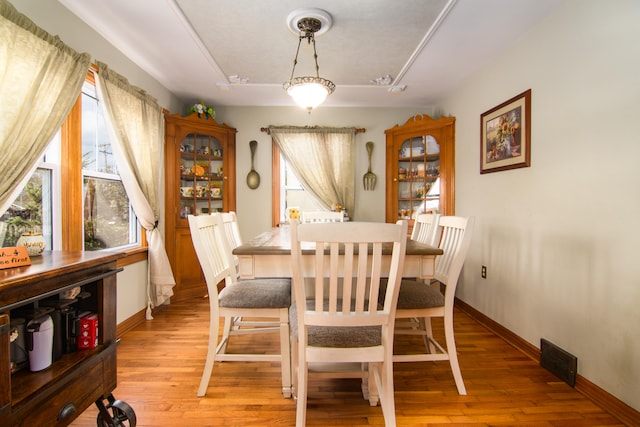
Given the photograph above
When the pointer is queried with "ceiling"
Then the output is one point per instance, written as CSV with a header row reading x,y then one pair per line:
x,y
239,53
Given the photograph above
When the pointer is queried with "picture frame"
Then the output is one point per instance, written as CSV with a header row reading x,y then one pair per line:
x,y
505,135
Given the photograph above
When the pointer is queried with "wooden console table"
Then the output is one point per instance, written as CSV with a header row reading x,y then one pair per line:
x,y
56,395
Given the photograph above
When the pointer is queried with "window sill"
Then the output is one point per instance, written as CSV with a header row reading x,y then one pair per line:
x,y
133,256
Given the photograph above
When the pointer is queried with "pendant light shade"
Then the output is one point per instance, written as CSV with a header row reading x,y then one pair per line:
x,y
308,91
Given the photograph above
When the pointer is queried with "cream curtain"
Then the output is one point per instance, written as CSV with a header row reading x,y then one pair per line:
x,y
136,125
40,79
323,159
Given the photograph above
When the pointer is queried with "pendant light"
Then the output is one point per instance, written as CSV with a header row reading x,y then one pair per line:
x,y
309,91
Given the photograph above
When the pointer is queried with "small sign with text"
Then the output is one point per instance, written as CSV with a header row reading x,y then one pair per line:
x,y
15,256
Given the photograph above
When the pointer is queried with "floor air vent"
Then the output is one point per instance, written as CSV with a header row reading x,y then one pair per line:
x,y
557,361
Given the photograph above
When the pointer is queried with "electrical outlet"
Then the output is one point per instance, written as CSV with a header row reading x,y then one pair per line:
x,y
484,272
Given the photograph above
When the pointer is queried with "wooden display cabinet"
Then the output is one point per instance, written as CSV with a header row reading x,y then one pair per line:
x,y
420,171
200,170
76,378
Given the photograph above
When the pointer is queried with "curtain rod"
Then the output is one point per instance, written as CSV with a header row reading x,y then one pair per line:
x,y
268,131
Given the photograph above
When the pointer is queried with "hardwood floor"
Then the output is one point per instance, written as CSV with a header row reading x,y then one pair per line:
x,y
160,363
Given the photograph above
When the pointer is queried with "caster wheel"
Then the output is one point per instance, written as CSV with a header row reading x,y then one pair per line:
x,y
121,415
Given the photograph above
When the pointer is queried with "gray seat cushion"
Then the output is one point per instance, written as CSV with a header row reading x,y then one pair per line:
x,y
336,337
416,295
258,293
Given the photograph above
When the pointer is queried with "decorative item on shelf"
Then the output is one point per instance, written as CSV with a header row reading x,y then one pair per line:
x,y
203,110
201,191
205,167
186,191
33,242
197,170
215,190
369,178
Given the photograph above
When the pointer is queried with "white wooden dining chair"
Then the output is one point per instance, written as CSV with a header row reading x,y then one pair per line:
x,y
259,298
419,302
336,318
321,216
425,229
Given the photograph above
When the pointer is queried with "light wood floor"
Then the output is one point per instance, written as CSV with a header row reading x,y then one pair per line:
x,y
160,363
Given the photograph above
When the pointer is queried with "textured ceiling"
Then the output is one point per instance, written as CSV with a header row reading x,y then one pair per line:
x,y
240,53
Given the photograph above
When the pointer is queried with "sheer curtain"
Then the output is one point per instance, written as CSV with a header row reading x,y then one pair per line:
x,y
40,79
323,159
136,125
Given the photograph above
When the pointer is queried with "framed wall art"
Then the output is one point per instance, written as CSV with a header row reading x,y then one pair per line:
x,y
505,135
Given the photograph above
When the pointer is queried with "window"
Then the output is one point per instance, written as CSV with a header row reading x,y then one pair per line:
x,y
292,194
75,198
108,218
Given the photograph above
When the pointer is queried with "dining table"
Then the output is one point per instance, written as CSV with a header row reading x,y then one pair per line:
x,y
269,255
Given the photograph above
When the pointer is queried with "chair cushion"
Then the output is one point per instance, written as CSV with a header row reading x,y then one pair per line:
x,y
257,293
415,294
336,337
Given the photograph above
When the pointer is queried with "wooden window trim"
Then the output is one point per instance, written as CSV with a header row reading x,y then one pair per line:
x,y
275,187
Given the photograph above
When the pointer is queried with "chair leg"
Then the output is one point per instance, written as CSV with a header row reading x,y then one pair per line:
x,y
211,355
383,374
369,385
453,354
425,326
294,366
226,331
302,384
285,353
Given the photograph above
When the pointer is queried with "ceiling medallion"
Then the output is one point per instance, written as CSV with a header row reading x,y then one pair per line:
x,y
309,91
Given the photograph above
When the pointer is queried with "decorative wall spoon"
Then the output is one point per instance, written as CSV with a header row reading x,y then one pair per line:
x,y
253,178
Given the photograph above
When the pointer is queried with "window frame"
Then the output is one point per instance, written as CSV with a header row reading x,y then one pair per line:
x,y
71,191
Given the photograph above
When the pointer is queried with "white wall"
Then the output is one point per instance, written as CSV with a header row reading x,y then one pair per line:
x,y
560,239
131,290
254,206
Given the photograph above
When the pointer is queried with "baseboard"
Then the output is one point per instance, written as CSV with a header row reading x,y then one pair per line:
x,y
597,395
130,323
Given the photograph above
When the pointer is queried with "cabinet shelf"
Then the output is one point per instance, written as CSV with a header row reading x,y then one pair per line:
x,y
419,178
420,158
211,177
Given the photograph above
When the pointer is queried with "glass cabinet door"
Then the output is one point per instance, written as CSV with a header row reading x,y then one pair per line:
x,y
201,175
418,176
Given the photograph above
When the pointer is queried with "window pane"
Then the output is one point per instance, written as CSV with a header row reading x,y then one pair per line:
x,y
97,155
31,212
106,214
109,221
293,195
